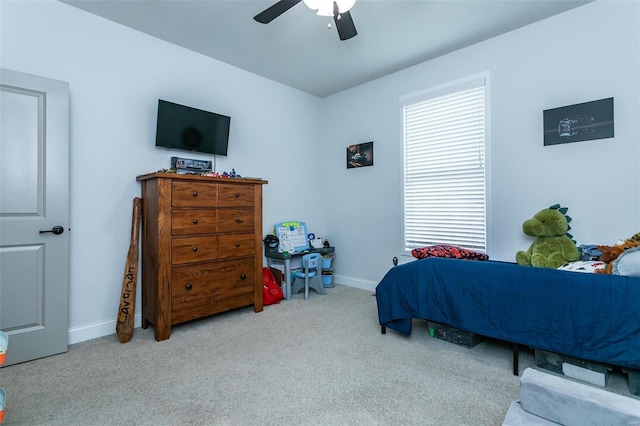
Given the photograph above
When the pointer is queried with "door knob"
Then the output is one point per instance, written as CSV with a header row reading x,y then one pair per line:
x,y
56,230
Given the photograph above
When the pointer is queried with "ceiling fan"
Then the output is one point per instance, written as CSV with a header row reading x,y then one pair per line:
x,y
339,9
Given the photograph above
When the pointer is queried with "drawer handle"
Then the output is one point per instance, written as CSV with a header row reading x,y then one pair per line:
x,y
243,276
237,244
195,193
237,194
195,248
195,221
238,219
189,287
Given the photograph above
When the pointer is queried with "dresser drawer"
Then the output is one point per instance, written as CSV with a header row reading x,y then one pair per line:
x,y
197,285
201,248
194,221
230,195
235,220
236,245
193,194
193,249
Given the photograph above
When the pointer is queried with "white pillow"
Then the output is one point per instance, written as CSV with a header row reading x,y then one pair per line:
x,y
588,266
627,263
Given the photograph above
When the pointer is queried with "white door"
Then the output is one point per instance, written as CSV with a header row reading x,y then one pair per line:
x,y
34,197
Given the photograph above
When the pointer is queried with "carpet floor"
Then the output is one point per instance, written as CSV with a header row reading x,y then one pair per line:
x,y
317,362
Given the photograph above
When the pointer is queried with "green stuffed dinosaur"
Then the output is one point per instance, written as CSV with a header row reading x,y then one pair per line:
x,y
553,246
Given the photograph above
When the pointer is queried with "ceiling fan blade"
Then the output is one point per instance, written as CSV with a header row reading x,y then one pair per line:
x,y
277,9
344,23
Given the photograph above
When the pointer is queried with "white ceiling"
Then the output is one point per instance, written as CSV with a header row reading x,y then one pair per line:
x,y
298,50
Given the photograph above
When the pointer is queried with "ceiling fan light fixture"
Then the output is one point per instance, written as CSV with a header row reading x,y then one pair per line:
x,y
325,7
338,9
345,5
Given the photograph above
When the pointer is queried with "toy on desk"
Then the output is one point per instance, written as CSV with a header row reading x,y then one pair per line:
x,y
316,243
271,241
292,236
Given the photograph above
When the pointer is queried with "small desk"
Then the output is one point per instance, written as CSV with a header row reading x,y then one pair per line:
x,y
273,257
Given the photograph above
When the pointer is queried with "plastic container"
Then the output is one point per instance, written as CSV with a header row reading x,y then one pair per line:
x,y
587,371
327,280
4,343
3,396
326,262
453,335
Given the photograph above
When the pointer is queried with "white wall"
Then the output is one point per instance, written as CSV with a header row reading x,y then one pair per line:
x,y
116,76
586,54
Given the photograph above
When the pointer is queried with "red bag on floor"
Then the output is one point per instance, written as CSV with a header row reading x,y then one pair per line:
x,y
271,291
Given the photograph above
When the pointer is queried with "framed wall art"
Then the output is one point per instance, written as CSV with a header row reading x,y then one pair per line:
x,y
360,155
579,122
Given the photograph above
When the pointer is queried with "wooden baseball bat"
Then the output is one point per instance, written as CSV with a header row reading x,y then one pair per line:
x,y
127,309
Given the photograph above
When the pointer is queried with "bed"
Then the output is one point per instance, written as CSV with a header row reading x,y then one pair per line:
x,y
594,317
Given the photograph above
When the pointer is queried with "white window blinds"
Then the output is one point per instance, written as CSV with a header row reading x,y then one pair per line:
x,y
444,169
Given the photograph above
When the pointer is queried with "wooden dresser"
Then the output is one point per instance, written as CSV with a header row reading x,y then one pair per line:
x,y
201,247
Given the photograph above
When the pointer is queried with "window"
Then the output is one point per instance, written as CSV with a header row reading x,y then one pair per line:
x,y
445,172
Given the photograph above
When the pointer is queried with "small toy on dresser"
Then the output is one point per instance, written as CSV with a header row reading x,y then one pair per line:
x,y
232,174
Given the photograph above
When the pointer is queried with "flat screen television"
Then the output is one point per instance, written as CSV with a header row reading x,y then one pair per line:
x,y
191,129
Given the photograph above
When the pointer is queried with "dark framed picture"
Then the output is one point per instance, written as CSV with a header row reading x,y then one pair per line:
x,y
360,155
579,122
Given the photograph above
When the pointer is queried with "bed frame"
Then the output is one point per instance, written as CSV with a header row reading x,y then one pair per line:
x,y
591,317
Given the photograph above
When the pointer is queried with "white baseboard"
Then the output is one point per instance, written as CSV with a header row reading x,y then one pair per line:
x,y
105,328
97,329
355,282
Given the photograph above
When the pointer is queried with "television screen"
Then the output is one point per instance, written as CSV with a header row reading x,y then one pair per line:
x,y
191,129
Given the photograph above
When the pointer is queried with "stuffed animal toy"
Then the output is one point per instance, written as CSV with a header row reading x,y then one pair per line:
x,y
553,246
611,253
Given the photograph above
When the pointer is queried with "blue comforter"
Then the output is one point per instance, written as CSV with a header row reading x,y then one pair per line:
x,y
587,316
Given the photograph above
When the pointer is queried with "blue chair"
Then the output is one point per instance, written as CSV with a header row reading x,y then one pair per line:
x,y
309,275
